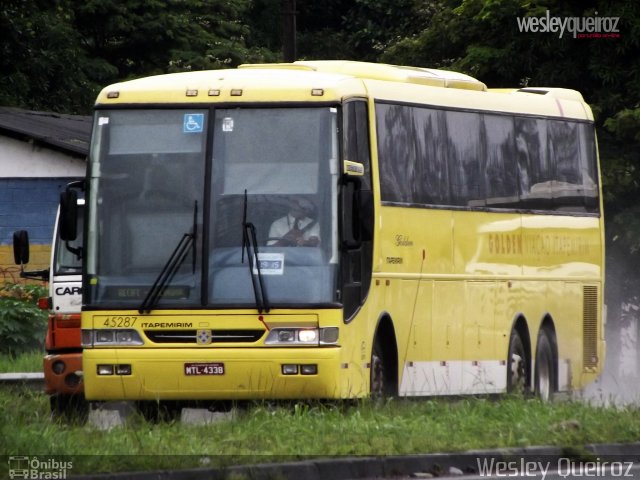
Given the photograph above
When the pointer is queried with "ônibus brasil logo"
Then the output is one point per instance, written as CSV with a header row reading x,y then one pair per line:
x,y
578,27
38,469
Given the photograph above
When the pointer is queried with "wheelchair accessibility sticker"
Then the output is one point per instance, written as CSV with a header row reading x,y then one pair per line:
x,y
193,123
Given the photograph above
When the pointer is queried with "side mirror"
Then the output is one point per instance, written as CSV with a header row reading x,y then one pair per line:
x,y
68,215
21,247
21,256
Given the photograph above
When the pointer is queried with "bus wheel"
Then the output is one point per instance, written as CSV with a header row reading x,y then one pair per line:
x,y
157,412
380,376
544,379
516,365
69,408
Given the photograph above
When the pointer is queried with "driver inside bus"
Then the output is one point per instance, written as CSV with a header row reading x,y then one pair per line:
x,y
297,228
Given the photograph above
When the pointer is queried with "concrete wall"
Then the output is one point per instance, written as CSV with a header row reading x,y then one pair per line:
x,y
19,159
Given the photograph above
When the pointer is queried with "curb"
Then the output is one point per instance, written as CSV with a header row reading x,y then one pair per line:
x,y
31,379
349,468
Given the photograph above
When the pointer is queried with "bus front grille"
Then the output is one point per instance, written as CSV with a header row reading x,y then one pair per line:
x,y
204,337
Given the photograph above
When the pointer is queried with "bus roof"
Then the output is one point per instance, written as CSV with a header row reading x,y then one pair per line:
x,y
336,80
379,71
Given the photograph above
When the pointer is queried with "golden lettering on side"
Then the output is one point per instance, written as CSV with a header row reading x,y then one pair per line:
x,y
505,244
403,241
537,244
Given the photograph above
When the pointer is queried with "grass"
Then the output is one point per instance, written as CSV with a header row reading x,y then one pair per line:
x,y
266,432
25,362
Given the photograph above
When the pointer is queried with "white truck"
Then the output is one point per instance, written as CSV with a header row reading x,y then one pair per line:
x,y
63,358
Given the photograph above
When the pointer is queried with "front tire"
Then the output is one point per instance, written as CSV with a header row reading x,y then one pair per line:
x,y
69,408
382,384
159,412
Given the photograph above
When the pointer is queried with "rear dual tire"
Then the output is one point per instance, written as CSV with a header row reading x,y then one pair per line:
x,y
545,373
518,367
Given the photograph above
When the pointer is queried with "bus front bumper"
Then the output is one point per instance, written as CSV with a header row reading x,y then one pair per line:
x,y
217,374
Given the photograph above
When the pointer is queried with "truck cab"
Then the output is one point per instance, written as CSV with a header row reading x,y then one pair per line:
x,y
62,363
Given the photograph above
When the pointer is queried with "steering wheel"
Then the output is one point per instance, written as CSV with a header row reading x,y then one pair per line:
x,y
281,242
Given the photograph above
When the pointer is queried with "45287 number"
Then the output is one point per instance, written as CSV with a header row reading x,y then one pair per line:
x,y
120,322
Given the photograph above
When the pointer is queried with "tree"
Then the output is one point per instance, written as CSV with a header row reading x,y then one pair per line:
x,y
142,37
42,63
56,55
373,25
334,29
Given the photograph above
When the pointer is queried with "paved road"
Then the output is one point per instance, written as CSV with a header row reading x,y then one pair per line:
x,y
546,463
561,470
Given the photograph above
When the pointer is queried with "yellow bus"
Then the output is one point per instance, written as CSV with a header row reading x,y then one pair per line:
x,y
335,229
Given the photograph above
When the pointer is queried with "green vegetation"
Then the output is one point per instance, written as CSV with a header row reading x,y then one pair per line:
x,y
22,323
276,432
25,362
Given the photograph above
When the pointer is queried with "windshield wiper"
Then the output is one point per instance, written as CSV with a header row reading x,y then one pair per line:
x,y
171,267
250,246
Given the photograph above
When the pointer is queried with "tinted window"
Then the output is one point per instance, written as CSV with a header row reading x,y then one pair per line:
x,y
398,170
412,145
465,158
589,167
501,167
534,167
432,146
472,159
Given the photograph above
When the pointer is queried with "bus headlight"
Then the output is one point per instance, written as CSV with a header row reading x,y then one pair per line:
x,y
308,336
127,337
110,337
303,336
104,336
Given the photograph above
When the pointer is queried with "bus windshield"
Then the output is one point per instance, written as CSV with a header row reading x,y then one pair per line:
x,y
158,177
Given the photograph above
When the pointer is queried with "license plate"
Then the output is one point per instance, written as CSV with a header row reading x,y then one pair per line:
x,y
204,368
